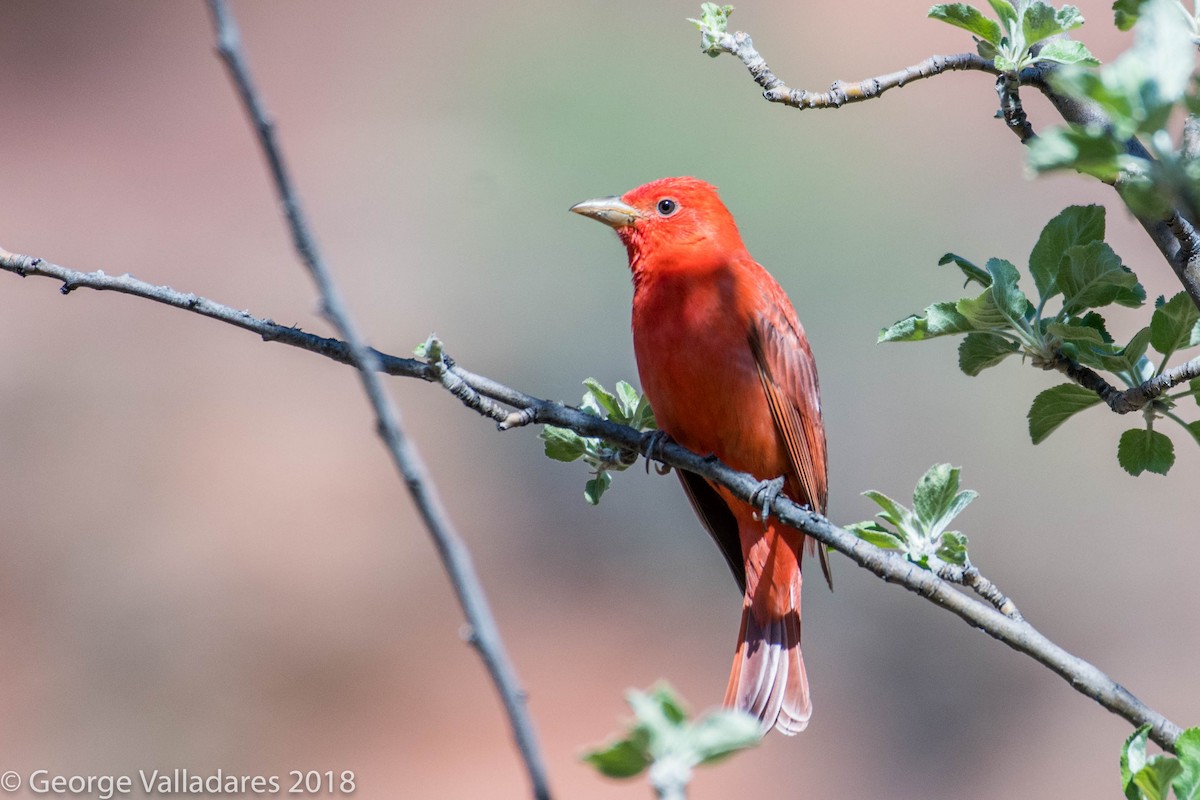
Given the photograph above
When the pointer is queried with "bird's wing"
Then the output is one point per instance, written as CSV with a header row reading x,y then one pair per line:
x,y
718,520
789,379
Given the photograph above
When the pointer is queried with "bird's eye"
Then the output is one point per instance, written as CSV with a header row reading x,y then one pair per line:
x,y
667,207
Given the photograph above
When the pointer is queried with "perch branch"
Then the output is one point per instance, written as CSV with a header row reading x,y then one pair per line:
x,y
457,559
997,617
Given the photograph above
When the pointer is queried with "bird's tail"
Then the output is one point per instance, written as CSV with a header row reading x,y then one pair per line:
x,y
768,678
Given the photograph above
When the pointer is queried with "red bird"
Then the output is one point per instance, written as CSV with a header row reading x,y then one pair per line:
x,y
727,368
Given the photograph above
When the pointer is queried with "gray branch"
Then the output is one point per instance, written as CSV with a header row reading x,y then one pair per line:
x,y
998,616
840,93
1135,398
1175,236
455,556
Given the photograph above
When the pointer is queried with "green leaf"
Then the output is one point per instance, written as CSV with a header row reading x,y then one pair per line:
x,y
1041,21
1194,387
1067,51
934,493
562,444
978,351
1143,450
1155,778
1005,11
960,502
1140,88
722,733
1008,298
1002,305
1126,13
1093,276
1175,324
1133,759
1187,747
1074,225
713,23
972,272
937,499
650,714
1084,339
1096,154
629,399
940,319
670,704
714,17
1095,321
1076,334
594,489
876,534
1131,358
1163,46
643,415
1194,429
1055,406
893,512
623,758
1086,330
968,18
605,399
953,548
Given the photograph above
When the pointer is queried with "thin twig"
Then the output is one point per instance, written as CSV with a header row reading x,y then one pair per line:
x,y
998,617
1140,396
970,577
1135,398
840,93
455,556
1008,89
1176,238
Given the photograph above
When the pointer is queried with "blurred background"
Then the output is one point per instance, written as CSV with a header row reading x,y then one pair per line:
x,y
207,562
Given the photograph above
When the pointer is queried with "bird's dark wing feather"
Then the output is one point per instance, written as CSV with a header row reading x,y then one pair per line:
x,y
719,521
789,379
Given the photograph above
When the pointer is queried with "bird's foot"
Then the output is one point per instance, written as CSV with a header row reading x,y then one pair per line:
x,y
764,496
651,447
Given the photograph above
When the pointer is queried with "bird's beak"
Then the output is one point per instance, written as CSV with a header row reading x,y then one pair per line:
x,y
609,210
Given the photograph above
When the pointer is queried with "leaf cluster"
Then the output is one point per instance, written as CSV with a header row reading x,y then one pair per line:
x,y
1075,272
1022,34
625,407
1136,97
713,22
661,738
1155,777
920,532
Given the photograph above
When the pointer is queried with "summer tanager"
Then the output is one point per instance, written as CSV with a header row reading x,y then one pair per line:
x,y
728,370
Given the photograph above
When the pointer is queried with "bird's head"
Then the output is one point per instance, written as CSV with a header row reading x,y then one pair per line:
x,y
668,222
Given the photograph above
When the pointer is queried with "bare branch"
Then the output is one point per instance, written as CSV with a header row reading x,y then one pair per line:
x,y
1175,237
455,556
840,93
971,578
1132,399
998,617
1007,87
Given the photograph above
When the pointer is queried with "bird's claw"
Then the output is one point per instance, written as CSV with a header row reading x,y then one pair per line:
x,y
651,447
764,496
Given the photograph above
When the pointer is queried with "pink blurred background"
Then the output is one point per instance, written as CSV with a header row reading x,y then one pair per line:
x,y
206,561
